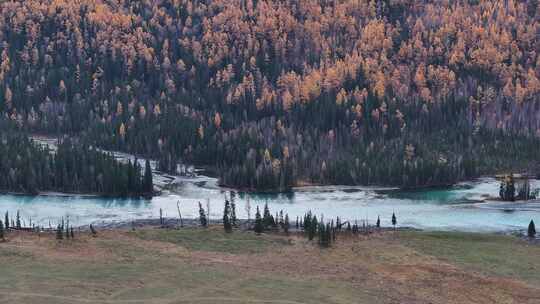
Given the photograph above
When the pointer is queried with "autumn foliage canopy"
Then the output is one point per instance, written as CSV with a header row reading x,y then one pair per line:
x,y
277,93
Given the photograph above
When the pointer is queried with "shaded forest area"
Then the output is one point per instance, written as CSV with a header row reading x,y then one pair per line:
x,y
281,93
26,167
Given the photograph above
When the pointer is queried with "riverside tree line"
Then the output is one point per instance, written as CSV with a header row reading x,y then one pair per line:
x,y
26,167
308,226
63,230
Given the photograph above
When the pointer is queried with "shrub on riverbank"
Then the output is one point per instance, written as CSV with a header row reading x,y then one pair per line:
x,y
202,216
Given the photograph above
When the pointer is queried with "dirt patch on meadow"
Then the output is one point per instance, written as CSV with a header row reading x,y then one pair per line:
x,y
84,247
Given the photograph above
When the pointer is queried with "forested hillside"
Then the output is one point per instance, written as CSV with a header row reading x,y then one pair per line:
x,y
280,93
26,167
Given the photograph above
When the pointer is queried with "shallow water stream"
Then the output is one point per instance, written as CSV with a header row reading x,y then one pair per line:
x,y
462,207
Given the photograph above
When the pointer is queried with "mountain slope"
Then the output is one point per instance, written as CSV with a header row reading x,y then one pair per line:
x,y
278,93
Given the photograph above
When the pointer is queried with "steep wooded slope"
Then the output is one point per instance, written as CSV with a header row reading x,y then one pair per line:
x,y
275,93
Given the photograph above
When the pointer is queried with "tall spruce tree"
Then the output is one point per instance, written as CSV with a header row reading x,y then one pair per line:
x,y
18,220
259,226
313,225
531,232
234,220
268,219
394,220
286,224
59,232
307,223
6,220
148,182
2,236
67,231
328,235
322,235
378,224
227,225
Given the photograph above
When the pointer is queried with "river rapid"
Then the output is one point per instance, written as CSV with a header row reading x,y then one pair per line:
x,y
463,207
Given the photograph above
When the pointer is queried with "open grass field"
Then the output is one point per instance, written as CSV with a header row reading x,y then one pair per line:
x,y
492,255
153,265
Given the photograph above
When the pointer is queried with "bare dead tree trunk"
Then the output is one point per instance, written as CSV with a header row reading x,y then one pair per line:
x,y
180,214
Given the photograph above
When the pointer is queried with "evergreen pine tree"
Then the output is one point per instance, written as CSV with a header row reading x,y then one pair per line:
x,y
325,234
59,232
328,235
322,235
378,222
313,228
394,220
307,223
6,220
234,220
259,226
67,231
531,232
72,233
202,216
268,219
148,183
1,231
227,225
502,190
18,220
511,189
286,224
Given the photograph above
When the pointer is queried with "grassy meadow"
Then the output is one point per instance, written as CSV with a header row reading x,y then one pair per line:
x,y
193,265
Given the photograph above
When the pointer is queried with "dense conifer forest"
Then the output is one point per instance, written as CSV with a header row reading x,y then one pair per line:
x,y
273,94
26,167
